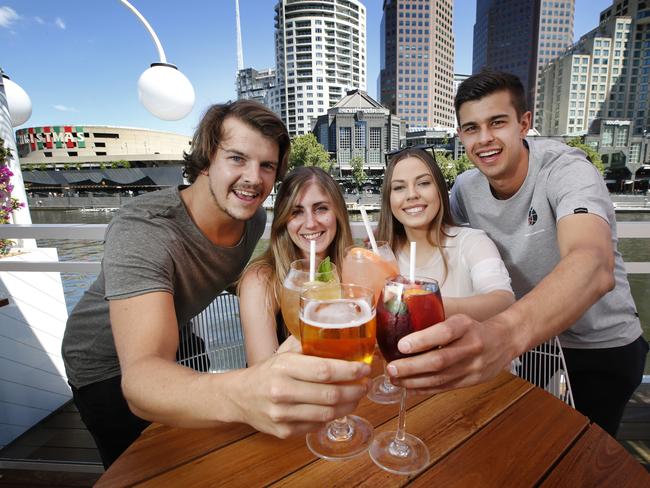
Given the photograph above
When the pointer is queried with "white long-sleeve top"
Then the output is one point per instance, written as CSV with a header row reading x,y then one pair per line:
x,y
474,265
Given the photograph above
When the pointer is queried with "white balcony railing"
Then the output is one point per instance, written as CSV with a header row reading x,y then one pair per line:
x,y
96,232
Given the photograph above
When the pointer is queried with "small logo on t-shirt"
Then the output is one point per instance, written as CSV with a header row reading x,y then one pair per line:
x,y
532,216
580,210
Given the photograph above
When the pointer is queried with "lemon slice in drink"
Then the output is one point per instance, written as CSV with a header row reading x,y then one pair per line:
x,y
415,291
324,291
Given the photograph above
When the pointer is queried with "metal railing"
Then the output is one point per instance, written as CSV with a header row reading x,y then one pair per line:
x,y
213,340
96,232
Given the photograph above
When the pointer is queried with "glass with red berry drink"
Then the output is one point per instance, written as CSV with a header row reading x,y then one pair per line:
x,y
405,306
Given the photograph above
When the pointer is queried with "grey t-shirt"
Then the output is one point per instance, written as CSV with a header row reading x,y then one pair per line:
x,y
151,245
560,182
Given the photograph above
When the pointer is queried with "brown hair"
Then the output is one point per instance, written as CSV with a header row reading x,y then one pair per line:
x,y
209,133
391,230
282,251
487,82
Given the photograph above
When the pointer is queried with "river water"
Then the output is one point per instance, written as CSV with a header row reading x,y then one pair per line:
x,y
75,284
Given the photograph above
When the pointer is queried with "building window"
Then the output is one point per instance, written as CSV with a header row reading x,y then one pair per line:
x,y
360,135
105,135
375,138
345,137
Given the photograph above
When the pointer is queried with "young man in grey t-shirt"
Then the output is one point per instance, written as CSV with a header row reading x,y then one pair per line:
x,y
167,256
548,211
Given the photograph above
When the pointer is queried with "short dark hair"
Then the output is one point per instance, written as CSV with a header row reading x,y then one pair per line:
x,y
208,135
488,82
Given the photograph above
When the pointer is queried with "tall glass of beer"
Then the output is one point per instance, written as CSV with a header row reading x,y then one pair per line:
x,y
338,321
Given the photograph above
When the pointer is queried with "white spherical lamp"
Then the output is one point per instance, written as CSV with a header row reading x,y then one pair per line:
x,y
166,92
18,102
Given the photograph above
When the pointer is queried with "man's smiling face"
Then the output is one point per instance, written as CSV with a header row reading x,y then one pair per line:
x,y
493,134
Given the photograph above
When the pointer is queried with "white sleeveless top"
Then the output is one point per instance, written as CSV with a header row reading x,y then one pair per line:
x,y
474,266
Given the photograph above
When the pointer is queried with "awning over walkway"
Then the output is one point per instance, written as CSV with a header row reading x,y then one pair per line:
x,y
124,177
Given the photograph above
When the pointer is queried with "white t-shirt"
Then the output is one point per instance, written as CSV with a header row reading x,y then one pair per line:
x,y
474,266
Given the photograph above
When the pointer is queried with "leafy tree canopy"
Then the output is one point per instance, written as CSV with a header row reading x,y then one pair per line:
x,y
593,156
358,173
307,151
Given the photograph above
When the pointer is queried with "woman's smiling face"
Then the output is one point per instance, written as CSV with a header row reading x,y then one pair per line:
x,y
414,197
312,219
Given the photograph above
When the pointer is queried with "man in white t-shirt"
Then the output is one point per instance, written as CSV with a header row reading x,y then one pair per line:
x,y
548,211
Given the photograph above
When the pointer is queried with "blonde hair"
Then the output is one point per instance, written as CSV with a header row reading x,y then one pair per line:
x,y
281,252
392,230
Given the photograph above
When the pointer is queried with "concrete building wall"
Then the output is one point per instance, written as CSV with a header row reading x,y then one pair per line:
x,y
93,145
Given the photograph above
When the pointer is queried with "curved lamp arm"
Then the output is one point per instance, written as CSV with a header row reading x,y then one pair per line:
x,y
161,51
163,89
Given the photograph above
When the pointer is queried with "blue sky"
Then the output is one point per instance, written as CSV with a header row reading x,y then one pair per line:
x,y
80,61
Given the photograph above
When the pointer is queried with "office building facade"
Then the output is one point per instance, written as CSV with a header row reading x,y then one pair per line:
x,y
320,49
417,61
256,85
599,87
521,37
359,126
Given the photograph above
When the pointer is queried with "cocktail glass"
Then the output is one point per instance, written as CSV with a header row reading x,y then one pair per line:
x,y
404,307
296,280
338,321
362,266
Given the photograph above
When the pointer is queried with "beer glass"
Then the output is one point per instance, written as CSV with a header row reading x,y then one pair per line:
x,y
338,321
362,266
296,280
404,307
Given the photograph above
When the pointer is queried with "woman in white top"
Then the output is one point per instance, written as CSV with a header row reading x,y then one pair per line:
x,y
415,207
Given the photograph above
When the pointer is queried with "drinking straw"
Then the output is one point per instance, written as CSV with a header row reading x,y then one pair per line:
x,y
366,223
312,260
412,262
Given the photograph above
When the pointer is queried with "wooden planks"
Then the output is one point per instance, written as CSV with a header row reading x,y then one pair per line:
x,y
443,422
598,460
162,448
502,433
517,449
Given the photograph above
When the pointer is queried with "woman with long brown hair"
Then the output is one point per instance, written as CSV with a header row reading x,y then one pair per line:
x,y
309,206
415,207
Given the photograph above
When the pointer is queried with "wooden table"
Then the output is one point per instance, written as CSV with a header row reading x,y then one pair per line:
x,y
505,433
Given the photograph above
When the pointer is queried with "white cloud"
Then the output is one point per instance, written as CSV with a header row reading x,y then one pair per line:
x,y
64,108
39,20
7,16
59,23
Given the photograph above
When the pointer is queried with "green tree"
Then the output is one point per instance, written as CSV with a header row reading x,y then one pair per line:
x,y
307,151
462,164
593,156
123,163
447,166
358,173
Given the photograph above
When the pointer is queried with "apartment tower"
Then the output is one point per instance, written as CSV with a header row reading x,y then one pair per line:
x,y
320,50
417,61
521,37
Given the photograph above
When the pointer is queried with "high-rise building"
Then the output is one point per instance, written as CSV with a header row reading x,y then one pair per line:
x,y
417,61
600,86
521,37
320,49
256,85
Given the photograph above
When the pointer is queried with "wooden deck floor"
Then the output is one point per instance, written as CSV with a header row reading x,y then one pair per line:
x,y
62,438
